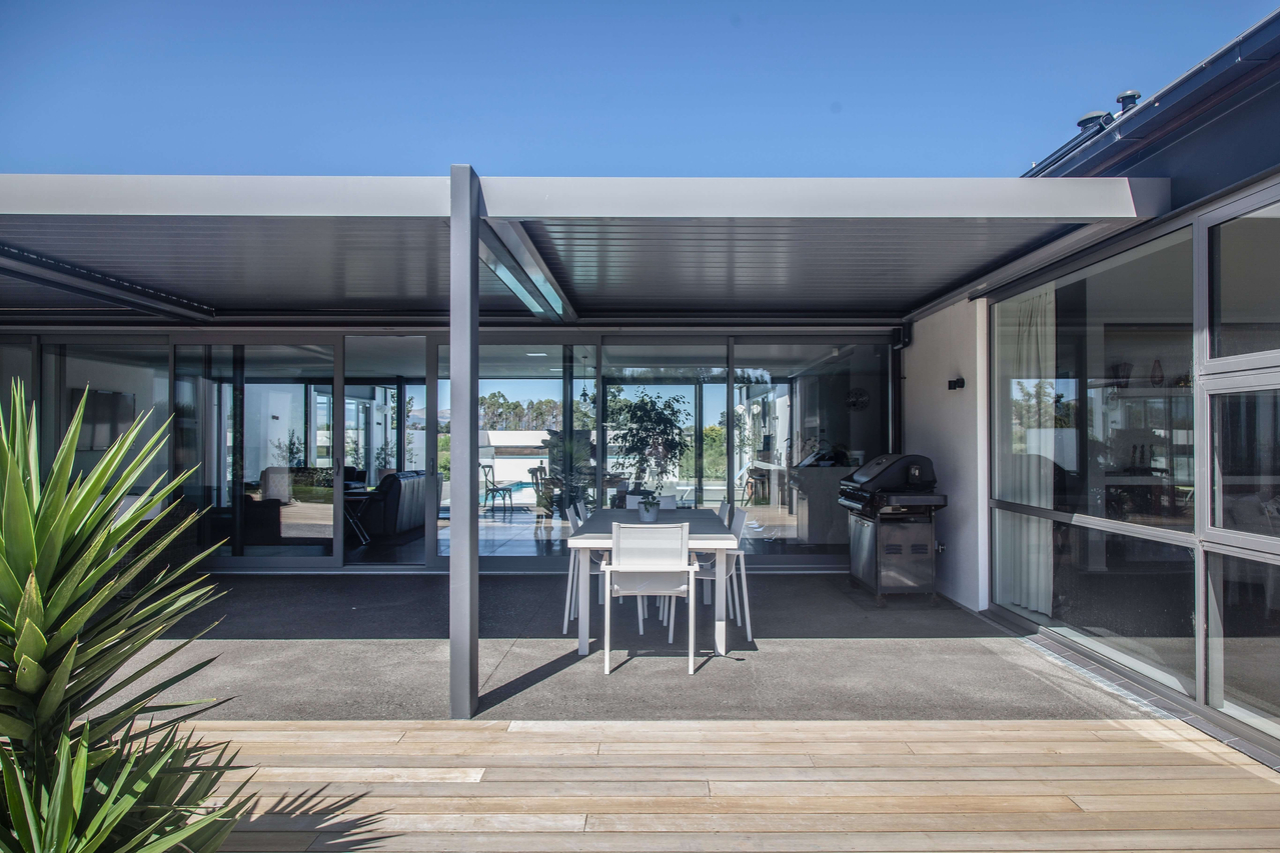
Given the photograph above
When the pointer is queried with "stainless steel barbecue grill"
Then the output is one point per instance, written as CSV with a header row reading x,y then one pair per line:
x,y
891,502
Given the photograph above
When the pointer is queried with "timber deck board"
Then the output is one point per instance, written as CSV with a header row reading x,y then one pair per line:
x,y
544,787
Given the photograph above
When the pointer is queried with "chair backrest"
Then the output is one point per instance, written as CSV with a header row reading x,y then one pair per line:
x,y
723,511
487,471
650,546
738,524
664,501
580,507
575,520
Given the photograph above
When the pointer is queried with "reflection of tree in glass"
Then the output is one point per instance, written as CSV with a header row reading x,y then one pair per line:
x,y
652,438
1039,405
290,452
498,413
355,450
411,454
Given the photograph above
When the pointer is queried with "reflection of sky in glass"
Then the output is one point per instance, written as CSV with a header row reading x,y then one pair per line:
x,y
713,399
524,390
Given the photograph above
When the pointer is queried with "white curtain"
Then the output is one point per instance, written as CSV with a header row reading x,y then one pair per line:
x,y
1028,356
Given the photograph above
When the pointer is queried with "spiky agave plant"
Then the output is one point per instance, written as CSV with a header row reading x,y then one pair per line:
x,y
85,764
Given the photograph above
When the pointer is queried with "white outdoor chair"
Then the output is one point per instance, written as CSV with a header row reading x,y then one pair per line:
x,y
735,574
664,501
576,557
649,559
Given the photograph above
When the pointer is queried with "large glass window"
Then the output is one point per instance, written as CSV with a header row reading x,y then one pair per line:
x,y
260,419
1092,390
1130,599
537,445
805,416
123,382
666,421
1244,311
1244,640
1246,462
15,364
389,487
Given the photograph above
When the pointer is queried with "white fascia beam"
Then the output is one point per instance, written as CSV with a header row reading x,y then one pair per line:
x,y
1049,200
223,195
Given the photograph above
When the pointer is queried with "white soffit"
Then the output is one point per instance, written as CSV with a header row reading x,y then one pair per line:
x,y
1065,200
1060,200
223,195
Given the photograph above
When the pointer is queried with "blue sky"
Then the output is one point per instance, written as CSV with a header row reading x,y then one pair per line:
x,y
599,88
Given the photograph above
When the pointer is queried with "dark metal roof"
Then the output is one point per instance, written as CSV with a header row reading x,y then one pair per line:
x,y
1252,55
339,249
257,264
616,268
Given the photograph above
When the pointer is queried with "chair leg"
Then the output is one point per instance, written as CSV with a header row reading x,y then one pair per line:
x,y
706,591
671,620
735,612
692,610
608,626
640,613
577,579
569,587
746,600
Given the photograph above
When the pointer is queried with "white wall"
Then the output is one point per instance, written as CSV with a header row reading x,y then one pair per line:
x,y
950,427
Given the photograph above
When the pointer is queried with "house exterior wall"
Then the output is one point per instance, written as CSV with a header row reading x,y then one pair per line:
x,y
950,427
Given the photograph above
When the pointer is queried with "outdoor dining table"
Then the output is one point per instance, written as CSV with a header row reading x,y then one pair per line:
x,y
707,533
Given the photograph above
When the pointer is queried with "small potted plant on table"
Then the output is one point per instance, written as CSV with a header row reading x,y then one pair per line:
x,y
649,509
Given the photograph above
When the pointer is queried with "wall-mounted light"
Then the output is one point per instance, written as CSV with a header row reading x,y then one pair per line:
x,y
955,384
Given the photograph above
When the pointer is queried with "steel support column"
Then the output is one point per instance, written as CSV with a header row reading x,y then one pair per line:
x,y
464,391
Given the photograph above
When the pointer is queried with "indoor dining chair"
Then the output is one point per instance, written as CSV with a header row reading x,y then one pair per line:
x,y
735,574
664,501
649,559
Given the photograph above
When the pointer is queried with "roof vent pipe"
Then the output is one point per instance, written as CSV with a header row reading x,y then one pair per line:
x,y
1100,118
1128,100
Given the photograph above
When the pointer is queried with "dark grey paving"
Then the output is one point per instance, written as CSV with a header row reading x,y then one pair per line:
x,y
375,647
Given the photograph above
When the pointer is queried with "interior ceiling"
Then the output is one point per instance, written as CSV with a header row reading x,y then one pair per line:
x,y
610,269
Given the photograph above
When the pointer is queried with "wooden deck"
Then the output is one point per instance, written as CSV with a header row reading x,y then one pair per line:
x,y
522,787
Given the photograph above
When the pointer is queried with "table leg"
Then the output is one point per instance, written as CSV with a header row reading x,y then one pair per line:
x,y
721,566
584,600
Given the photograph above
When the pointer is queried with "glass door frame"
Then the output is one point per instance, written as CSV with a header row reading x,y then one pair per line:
x,y
260,564
434,339
551,337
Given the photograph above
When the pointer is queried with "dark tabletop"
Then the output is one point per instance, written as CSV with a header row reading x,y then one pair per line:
x,y
702,522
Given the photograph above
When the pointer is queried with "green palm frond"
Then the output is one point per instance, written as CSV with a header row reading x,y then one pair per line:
x,y
83,768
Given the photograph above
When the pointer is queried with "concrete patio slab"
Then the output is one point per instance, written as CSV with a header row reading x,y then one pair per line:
x,y
375,647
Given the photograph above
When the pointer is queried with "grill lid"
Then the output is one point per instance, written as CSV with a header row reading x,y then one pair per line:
x,y
894,472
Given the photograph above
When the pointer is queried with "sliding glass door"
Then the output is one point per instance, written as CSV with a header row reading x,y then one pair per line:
x,y
257,423
806,414
324,451
665,420
537,446
389,484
